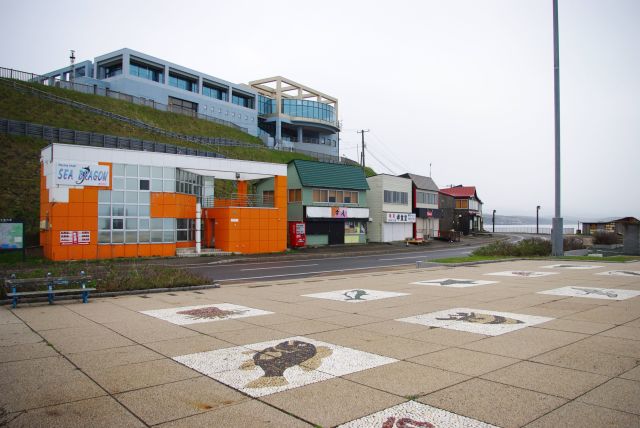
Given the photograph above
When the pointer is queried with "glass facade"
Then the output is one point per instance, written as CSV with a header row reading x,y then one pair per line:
x,y
214,92
242,100
398,198
309,109
266,105
112,70
146,72
426,198
124,212
183,82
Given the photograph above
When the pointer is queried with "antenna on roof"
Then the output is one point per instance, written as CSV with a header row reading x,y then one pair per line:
x,y
72,59
429,169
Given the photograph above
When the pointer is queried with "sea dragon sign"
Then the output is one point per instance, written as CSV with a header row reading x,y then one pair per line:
x,y
81,174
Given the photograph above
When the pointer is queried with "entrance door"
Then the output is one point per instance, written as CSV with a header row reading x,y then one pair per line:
x,y
336,232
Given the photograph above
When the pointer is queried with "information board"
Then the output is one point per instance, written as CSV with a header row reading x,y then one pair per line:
x,y
11,233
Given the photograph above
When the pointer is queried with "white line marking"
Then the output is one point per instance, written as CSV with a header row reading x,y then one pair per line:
x,y
308,273
400,258
280,267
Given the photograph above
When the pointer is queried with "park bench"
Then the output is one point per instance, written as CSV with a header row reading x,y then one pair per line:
x,y
48,286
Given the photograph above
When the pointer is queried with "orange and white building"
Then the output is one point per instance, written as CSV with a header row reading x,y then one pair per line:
x,y
101,203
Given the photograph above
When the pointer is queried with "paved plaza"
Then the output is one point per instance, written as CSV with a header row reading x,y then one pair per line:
x,y
510,344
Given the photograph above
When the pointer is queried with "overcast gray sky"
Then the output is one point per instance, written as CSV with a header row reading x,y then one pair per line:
x,y
464,85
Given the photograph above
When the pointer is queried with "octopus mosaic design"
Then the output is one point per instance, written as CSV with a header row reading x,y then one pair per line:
x,y
355,295
264,368
453,282
522,273
274,360
204,313
491,323
412,414
593,293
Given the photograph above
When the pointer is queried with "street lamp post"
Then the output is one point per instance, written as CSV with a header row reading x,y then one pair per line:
x,y
556,236
537,222
493,221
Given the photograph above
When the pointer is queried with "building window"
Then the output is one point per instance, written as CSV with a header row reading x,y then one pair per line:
x,y
145,71
267,197
242,100
178,105
335,196
112,70
183,82
398,198
188,183
426,198
462,204
295,195
185,229
212,91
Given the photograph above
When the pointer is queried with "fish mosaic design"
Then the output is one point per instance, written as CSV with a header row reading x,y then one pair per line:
x,y
607,293
480,318
355,294
275,360
405,423
210,312
524,273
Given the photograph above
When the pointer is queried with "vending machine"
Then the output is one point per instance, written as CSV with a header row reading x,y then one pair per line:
x,y
297,234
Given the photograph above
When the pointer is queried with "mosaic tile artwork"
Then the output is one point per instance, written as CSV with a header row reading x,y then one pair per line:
x,y
414,415
355,295
453,282
204,313
479,321
569,266
522,273
265,368
593,293
634,273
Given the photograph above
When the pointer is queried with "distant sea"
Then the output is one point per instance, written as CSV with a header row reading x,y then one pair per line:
x,y
569,228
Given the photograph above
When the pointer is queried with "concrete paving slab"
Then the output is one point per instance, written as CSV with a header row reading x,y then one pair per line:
x,y
332,402
494,403
253,334
444,336
112,357
187,345
213,328
103,311
17,334
46,317
245,414
623,332
7,317
579,415
43,382
587,358
305,327
464,361
392,328
272,319
96,412
585,327
406,379
150,330
82,339
350,337
552,380
614,314
525,343
617,394
399,347
633,374
351,320
26,351
614,345
177,400
140,375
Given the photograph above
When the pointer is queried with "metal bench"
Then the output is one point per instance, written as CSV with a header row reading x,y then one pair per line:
x,y
51,283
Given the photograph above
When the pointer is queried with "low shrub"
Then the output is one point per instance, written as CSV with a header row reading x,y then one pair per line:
x,y
605,238
572,243
525,248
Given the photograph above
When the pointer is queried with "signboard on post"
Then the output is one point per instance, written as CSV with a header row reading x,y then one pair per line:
x,y
11,234
81,174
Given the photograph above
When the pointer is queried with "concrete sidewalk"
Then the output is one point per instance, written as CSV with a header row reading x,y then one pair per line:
x,y
507,344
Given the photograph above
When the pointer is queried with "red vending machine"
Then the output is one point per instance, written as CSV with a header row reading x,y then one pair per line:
x,y
297,234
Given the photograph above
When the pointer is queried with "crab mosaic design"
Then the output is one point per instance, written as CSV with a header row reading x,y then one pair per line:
x,y
412,414
204,313
355,295
453,282
593,293
265,368
491,323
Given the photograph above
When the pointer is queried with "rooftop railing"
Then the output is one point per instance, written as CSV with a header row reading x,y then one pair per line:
x,y
237,200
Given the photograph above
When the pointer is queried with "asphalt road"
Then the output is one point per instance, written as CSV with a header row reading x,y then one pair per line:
x,y
308,267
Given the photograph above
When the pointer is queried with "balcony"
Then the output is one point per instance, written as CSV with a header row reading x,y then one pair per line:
x,y
238,200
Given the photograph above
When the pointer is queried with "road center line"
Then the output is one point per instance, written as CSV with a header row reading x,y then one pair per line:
x,y
306,273
280,267
408,257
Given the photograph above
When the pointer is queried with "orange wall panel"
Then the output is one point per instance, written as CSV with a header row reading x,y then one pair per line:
x,y
131,250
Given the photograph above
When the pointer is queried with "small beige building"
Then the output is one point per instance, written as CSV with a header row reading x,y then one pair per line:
x,y
390,206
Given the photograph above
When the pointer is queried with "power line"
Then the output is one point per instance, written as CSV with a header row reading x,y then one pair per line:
x,y
389,155
362,131
381,163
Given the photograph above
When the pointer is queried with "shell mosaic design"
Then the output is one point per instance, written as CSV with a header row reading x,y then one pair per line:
x,y
414,415
355,295
479,321
593,293
204,313
453,282
522,273
633,273
570,266
265,368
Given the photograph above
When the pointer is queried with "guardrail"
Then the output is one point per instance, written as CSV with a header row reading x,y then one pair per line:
x,y
541,230
237,200
70,136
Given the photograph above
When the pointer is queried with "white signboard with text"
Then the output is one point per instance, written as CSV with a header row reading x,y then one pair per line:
x,y
81,174
337,212
401,218
75,237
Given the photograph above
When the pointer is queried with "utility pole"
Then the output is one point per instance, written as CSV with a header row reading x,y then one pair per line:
x,y
72,59
362,131
556,237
